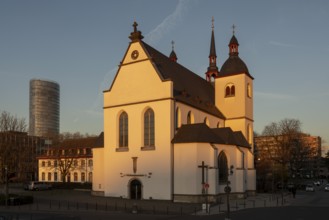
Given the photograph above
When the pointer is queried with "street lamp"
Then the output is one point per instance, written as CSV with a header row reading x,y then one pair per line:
x,y
227,190
6,185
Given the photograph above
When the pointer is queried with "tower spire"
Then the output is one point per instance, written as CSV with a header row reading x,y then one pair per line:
x,y
212,68
233,45
173,56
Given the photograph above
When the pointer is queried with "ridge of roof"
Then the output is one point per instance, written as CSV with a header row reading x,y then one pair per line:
x,y
185,81
201,133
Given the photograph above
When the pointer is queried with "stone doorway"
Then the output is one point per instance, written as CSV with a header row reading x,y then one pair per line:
x,y
135,189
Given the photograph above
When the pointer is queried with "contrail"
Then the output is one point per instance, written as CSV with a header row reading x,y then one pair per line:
x,y
152,37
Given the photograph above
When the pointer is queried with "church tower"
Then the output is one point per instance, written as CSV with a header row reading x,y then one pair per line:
x,y
212,70
234,92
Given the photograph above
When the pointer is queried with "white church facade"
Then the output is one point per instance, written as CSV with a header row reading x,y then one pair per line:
x,y
169,134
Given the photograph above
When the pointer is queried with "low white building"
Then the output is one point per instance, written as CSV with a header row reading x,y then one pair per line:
x,y
71,161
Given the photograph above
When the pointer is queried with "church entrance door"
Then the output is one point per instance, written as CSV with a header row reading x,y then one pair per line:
x,y
135,189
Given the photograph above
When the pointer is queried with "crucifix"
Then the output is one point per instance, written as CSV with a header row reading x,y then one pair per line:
x,y
202,166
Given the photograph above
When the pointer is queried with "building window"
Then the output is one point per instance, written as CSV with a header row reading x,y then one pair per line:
x,y
90,177
149,128
190,118
222,168
249,90
178,118
75,177
123,130
206,121
43,176
49,176
90,163
75,163
83,163
230,90
43,163
83,177
55,177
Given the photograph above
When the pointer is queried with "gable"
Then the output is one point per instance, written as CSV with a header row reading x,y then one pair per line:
x,y
137,80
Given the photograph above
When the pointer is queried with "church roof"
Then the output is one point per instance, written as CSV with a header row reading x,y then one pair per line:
x,y
232,66
196,133
201,133
189,88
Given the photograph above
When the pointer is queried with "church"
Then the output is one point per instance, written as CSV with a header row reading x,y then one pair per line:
x,y
170,134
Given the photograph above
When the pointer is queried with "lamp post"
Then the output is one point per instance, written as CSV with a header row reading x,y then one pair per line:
x,y
6,185
227,190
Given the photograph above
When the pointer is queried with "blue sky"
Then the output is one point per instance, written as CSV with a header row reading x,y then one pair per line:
x,y
79,44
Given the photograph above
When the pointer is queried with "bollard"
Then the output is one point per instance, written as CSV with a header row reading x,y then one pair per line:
x,y
135,209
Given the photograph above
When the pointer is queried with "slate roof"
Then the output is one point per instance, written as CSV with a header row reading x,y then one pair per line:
x,y
189,88
234,64
201,133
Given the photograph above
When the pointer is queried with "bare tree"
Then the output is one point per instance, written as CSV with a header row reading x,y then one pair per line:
x,y
13,141
286,146
9,122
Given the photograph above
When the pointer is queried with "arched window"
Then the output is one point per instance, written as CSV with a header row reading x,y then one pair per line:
x,y
206,121
123,130
227,91
188,121
249,90
190,118
83,177
249,130
222,167
230,90
149,128
178,118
